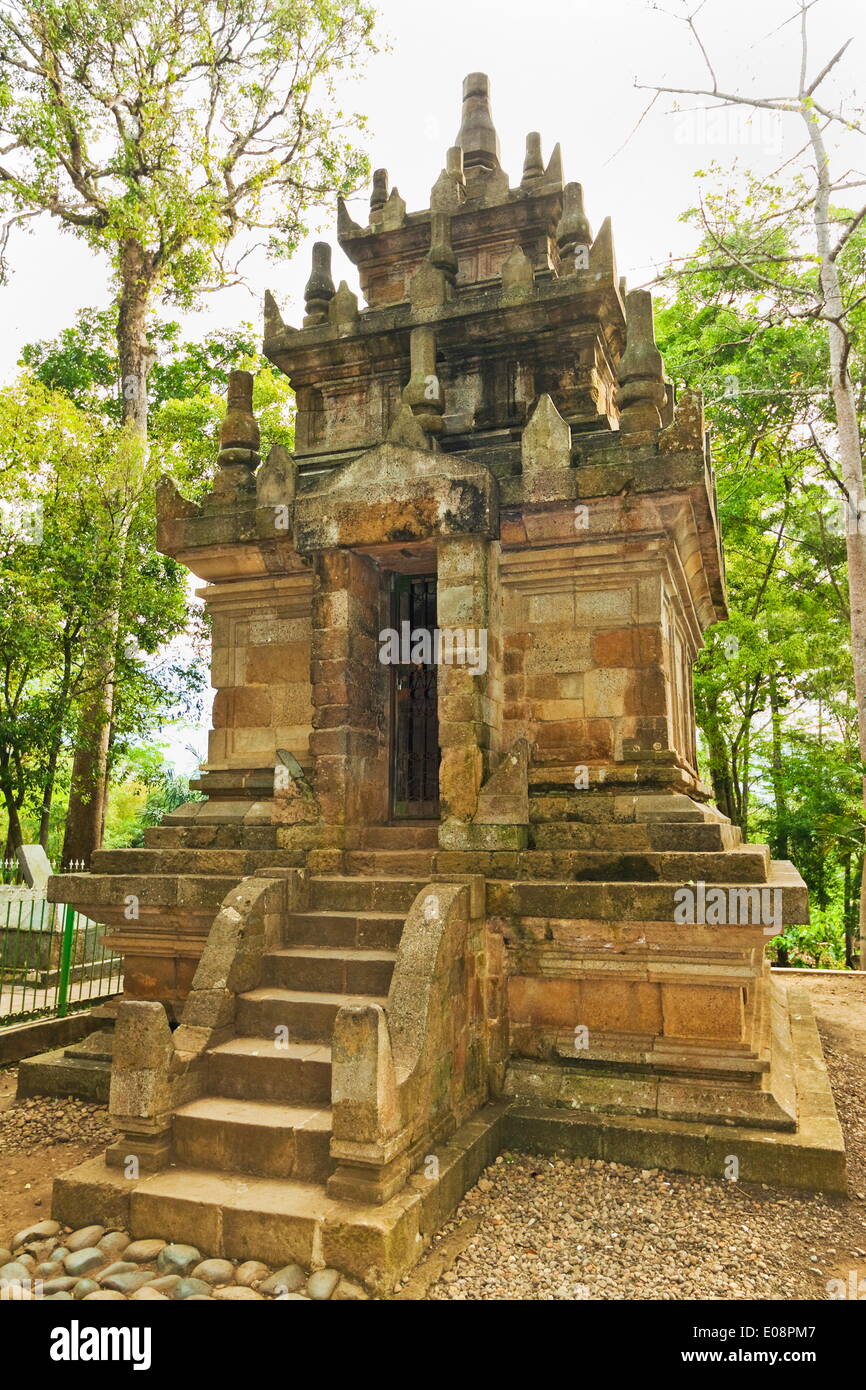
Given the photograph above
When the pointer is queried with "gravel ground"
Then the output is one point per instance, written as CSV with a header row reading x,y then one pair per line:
x,y
39,1120
578,1229
568,1229
538,1229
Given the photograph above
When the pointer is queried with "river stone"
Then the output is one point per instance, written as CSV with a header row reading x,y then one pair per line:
x,y
26,1260
115,1243
199,1298
119,1267
38,1250
166,1283
61,1295
234,1293
127,1281
85,1238
286,1280
104,1296
143,1251
177,1259
251,1272
322,1284
187,1287
48,1269
83,1261
64,1285
148,1294
348,1291
15,1272
84,1287
60,1252
5,1255
215,1271
39,1230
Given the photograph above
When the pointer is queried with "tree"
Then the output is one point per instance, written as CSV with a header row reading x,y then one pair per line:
x,y
774,686
825,297
167,137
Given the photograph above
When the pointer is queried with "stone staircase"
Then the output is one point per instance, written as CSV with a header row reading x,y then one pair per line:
x,y
267,1107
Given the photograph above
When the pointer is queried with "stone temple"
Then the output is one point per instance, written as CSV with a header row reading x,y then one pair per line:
x,y
455,883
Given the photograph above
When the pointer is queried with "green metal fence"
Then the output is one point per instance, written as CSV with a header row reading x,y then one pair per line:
x,y
52,959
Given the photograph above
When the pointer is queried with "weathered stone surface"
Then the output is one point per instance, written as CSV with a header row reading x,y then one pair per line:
x,y
82,1261
322,1283
286,1280
214,1271
85,1238
38,1230
177,1259
143,1251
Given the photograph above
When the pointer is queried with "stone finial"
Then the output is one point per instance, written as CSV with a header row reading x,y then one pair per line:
x,y
441,253
454,164
641,394
573,231
346,224
343,310
434,280
394,212
276,482
239,441
239,429
545,452
533,164
319,290
602,257
477,134
518,279
423,391
449,190
553,172
379,195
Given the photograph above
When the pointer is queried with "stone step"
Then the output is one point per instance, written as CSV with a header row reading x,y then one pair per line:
x,y
374,931
238,862
651,902
390,862
701,838
210,836
111,891
266,1138
600,805
746,864
263,1069
339,893
308,1015
416,836
330,969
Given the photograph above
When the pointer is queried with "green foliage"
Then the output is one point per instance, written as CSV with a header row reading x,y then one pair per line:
x,y
774,687
175,129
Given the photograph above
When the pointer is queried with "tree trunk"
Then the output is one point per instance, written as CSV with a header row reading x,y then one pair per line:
x,y
720,768
780,846
89,789
848,434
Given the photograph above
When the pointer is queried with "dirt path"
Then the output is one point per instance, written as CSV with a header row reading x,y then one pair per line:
x,y
39,1139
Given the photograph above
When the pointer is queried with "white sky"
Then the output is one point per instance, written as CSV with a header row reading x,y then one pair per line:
x,y
566,68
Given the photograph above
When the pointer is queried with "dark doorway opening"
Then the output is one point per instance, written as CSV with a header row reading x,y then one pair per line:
x,y
415,719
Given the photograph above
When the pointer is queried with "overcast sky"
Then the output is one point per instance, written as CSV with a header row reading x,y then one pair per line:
x,y
566,68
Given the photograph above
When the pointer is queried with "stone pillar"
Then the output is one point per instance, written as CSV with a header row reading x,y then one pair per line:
x,y
463,617
349,695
